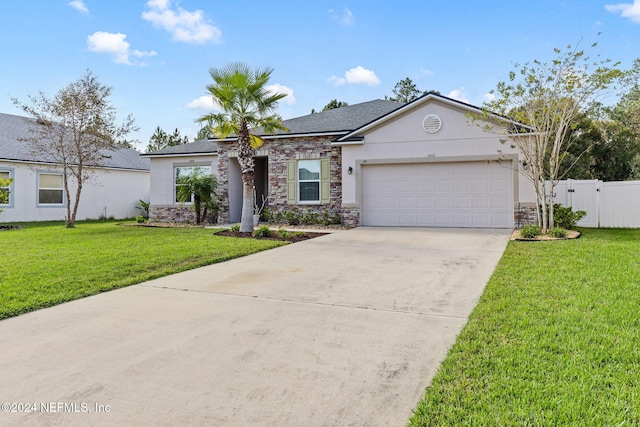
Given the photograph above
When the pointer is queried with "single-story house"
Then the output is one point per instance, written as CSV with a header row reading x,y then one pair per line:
x,y
36,193
378,163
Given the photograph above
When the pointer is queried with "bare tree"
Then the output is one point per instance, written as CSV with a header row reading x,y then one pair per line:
x,y
76,129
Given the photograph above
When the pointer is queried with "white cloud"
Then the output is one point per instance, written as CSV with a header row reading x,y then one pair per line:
x,y
205,102
184,26
424,72
489,97
345,19
114,44
459,94
627,10
79,6
278,88
357,75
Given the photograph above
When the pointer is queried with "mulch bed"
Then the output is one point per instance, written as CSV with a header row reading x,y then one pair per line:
x,y
11,227
290,238
571,234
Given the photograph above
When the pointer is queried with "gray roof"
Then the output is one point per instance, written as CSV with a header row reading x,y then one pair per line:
x,y
14,127
201,146
341,119
337,121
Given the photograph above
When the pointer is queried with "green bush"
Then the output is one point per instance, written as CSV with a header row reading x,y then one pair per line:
x,y
557,232
530,231
564,217
235,228
140,219
262,231
283,233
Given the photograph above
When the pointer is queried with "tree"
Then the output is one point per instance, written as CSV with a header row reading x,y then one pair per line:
x,y
5,185
246,105
203,133
76,129
406,91
199,188
333,104
549,97
160,139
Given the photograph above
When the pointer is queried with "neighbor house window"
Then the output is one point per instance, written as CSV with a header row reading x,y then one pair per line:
x,y
181,175
309,180
6,175
50,189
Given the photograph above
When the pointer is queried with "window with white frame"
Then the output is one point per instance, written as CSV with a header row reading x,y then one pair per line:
x,y
50,189
5,175
309,180
181,176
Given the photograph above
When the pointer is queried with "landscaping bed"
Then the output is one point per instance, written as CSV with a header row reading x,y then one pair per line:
x,y
295,236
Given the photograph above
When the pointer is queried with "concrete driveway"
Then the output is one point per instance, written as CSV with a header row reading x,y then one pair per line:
x,y
346,330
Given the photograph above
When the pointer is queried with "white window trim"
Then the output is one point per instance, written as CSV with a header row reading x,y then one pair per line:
x,y
38,188
11,171
299,181
175,172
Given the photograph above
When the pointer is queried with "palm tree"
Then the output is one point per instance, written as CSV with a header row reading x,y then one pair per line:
x,y
246,105
202,188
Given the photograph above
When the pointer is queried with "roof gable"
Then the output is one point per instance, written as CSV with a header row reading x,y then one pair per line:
x,y
12,149
356,134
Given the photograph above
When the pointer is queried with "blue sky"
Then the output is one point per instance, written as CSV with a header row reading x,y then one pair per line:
x,y
156,54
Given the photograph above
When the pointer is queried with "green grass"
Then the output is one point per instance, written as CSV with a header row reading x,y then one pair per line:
x,y
554,340
46,264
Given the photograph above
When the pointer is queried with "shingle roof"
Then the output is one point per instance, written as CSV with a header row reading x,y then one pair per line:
x,y
14,127
201,146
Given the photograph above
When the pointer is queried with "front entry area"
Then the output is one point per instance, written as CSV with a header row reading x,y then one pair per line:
x,y
261,180
476,194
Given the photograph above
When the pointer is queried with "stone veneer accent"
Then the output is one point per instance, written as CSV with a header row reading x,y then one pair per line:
x,y
278,152
525,215
178,213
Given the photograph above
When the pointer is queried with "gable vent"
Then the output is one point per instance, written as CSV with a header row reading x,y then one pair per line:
x,y
431,123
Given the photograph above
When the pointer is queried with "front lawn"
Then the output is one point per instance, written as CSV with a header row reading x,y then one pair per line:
x,y
45,263
554,340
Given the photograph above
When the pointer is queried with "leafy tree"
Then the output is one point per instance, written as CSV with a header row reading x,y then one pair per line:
x,y
406,91
5,184
334,103
77,130
549,97
246,104
203,133
160,139
200,188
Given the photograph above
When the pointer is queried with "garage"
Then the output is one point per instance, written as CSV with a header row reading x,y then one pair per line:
x,y
475,194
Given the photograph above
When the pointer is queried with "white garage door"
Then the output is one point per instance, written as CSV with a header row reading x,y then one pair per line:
x,y
465,194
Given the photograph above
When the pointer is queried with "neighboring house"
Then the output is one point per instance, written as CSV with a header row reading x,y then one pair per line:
x,y
378,163
37,194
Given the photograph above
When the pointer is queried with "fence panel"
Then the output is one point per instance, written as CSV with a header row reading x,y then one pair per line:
x,y
620,204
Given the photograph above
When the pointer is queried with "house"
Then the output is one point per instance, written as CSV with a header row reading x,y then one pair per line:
x,y
378,163
36,193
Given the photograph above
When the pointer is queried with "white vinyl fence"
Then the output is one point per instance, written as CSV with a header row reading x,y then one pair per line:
x,y
608,204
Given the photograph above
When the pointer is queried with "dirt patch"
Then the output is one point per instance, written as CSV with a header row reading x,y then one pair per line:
x,y
291,236
571,234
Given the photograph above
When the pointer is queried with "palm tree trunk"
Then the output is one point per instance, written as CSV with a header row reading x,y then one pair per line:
x,y
246,222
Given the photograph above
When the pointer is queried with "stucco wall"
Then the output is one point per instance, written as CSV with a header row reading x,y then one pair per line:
x,y
403,139
109,193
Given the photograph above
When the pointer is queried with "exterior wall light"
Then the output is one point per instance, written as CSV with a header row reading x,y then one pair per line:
x,y
350,170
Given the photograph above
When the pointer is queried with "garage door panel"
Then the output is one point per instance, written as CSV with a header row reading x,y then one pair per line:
x,y
465,194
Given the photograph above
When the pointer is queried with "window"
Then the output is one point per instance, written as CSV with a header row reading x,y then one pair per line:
x,y
309,180
50,189
6,175
182,173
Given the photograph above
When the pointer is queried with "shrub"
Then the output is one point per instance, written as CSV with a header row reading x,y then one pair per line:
x,y
557,232
292,217
564,217
299,233
140,219
235,228
262,231
283,233
530,231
